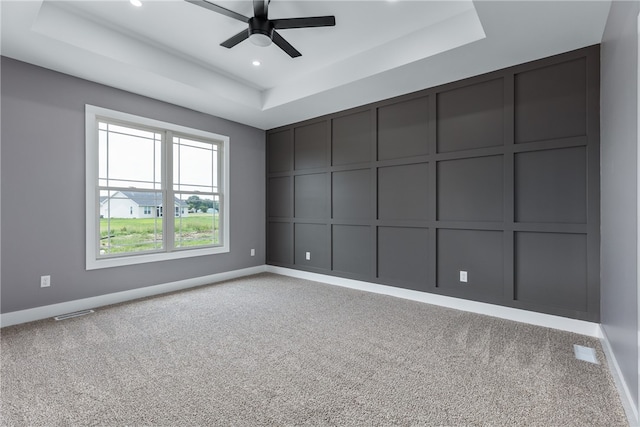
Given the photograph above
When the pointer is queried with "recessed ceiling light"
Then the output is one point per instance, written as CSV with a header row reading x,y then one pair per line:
x,y
256,63
136,3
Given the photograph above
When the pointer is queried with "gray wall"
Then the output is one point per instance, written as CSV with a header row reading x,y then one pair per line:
x,y
619,289
43,187
497,175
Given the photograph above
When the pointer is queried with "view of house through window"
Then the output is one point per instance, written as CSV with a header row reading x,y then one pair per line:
x,y
195,184
138,175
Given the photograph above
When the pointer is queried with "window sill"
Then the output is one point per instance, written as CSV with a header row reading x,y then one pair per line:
x,y
95,264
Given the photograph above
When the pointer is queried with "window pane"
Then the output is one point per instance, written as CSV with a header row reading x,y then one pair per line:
x,y
194,165
195,178
129,157
130,221
102,155
157,182
216,171
197,220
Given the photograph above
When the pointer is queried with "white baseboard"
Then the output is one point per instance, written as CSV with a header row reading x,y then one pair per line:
x,y
518,315
539,319
628,403
38,313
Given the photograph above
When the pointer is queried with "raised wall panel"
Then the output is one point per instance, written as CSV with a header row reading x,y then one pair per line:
x,y
351,192
551,186
492,175
351,249
351,139
471,117
478,252
551,102
280,151
403,192
310,196
310,146
403,129
312,238
551,269
280,197
279,250
471,189
403,255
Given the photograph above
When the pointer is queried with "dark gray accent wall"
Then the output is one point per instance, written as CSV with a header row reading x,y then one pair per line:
x,y
43,189
619,304
497,175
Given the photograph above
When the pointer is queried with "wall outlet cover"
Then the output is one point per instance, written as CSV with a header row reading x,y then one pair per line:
x,y
463,276
45,281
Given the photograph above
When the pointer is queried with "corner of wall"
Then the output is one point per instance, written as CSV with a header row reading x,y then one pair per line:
x,y
630,406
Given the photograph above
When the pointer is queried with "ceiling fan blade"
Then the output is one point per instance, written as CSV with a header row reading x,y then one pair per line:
x,y
219,9
315,21
231,42
260,8
284,45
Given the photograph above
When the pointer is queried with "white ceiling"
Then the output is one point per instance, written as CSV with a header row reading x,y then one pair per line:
x,y
169,49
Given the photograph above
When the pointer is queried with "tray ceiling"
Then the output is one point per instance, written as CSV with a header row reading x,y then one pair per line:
x,y
169,50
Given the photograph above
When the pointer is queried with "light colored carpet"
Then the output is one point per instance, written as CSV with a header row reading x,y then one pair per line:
x,y
272,350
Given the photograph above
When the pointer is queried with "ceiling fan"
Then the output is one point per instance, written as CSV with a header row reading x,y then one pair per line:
x,y
262,30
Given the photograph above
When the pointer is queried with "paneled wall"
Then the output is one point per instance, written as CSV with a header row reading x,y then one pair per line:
x,y
496,176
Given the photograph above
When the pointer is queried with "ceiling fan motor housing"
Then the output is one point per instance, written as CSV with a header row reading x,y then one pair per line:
x,y
260,31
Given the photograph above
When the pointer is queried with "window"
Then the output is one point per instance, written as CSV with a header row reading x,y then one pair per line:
x,y
136,164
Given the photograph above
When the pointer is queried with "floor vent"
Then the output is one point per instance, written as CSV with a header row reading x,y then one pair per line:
x,y
587,354
72,315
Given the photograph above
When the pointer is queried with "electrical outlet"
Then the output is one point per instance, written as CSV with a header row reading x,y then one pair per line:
x,y
253,252
308,256
45,281
463,276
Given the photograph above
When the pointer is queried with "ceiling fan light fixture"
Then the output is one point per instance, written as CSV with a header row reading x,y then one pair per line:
x,y
260,32
259,39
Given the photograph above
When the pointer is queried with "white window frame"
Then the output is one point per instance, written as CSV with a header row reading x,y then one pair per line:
x,y
92,218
